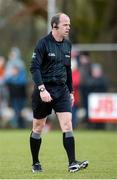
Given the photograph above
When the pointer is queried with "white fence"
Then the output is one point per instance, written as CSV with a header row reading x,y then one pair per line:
x,y
95,47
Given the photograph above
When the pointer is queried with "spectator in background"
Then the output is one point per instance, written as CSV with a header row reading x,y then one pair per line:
x,y
16,81
3,89
97,83
2,70
75,83
85,72
14,59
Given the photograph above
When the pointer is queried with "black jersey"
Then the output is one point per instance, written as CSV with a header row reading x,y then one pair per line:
x,y
51,62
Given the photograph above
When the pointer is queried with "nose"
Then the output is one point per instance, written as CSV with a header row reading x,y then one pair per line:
x,y
68,27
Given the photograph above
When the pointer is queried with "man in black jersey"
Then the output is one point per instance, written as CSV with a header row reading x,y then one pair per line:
x,y
51,73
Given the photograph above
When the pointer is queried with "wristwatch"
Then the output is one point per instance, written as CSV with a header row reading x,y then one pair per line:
x,y
42,89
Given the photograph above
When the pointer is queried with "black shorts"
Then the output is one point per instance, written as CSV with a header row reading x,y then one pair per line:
x,y
61,101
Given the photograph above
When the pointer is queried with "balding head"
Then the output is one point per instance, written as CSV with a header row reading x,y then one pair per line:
x,y
56,19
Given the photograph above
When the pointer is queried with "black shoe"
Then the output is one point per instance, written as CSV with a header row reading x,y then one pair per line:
x,y
77,165
83,164
36,167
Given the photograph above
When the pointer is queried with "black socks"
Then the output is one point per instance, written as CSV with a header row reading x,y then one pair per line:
x,y
68,142
69,145
35,143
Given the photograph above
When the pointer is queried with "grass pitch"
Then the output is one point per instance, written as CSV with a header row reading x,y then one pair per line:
x,y
99,147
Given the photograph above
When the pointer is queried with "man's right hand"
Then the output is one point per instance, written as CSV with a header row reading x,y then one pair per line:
x,y
45,96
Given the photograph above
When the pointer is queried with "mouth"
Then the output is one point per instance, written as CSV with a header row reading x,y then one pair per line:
x,y
67,32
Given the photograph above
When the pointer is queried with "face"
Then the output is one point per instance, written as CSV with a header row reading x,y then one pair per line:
x,y
96,72
84,59
2,61
64,26
13,55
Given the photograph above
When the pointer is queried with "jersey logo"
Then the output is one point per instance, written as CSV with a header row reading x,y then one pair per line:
x,y
33,55
51,54
67,56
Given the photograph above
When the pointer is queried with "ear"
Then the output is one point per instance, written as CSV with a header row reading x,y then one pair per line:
x,y
55,26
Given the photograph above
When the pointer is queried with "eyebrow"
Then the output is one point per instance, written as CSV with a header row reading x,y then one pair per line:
x,y
67,24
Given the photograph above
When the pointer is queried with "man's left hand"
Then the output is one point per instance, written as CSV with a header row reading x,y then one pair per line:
x,y
72,98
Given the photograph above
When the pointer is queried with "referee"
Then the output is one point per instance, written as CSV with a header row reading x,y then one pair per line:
x,y
51,73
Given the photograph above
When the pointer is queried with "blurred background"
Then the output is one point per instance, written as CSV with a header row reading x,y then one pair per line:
x,y
94,60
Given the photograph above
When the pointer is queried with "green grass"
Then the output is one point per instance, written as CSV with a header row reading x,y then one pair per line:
x,y
99,147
